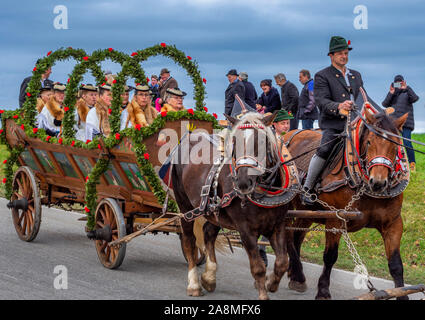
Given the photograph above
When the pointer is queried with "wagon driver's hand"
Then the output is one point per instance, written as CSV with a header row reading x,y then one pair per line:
x,y
347,105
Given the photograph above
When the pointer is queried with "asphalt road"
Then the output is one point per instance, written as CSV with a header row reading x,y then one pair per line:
x,y
154,267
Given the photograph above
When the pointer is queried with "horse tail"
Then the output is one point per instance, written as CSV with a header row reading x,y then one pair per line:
x,y
198,230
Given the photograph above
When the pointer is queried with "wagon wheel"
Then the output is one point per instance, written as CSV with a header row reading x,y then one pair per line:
x,y
110,219
200,254
25,203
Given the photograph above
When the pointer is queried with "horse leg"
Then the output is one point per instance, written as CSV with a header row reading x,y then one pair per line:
x,y
258,268
189,246
295,239
278,243
208,278
392,237
330,256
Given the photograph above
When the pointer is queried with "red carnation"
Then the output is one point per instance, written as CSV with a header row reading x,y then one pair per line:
x,y
73,143
88,141
189,57
4,161
215,115
66,109
134,54
22,127
67,81
138,126
109,110
117,136
147,79
190,111
103,84
85,58
114,81
163,44
49,53
34,130
146,156
48,138
15,116
87,178
28,94
1,111
99,146
86,209
4,180
1,131
204,80
60,140
137,84
35,69
206,109
106,78
163,113
110,49
349,42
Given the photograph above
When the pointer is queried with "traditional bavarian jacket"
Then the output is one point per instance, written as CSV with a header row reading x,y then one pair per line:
x,y
167,107
80,115
97,121
50,118
136,114
331,87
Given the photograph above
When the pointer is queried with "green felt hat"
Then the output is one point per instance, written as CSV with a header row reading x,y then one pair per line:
x,y
338,43
283,115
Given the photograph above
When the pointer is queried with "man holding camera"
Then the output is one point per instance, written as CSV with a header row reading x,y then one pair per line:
x,y
401,97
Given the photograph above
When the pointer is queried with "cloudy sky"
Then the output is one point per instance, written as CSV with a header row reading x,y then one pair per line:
x,y
261,37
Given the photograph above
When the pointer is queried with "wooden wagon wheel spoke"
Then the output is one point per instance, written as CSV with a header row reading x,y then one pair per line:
x,y
18,195
103,216
24,225
28,223
20,187
103,246
30,217
108,253
112,254
100,224
20,219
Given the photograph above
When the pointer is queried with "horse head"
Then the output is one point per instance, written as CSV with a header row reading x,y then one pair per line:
x,y
253,150
380,151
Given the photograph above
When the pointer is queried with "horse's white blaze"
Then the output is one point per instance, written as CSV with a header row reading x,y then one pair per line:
x,y
193,279
210,271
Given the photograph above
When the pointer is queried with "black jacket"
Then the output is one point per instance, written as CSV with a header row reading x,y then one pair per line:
x,y
229,96
330,89
271,101
250,93
402,101
290,96
24,85
306,105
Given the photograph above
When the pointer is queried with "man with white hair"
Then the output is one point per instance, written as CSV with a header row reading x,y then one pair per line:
x,y
250,93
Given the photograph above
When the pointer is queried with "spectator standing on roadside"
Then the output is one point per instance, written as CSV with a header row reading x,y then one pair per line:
x,y
290,96
307,109
250,93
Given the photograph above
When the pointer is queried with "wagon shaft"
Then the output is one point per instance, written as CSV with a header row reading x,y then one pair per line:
x,y
391,293
320,214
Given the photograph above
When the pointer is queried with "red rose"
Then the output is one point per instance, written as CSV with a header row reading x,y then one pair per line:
x,y
86,209
73,143
48,138
215,115
117,136
189,57
85,58
15,116
137,84
190,111
99,147
147,79
163,44
67,81
4,180
103,84
88,141
34,130
163,113
66,109
5,161
110,49
22,127
134,54
204,80
349,42
60,140
35,69
114,81
1,111
28,94
1,131
206,109
138,126
109,110
87,178
49,53
146,156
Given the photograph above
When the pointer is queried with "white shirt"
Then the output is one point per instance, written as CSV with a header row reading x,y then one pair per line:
x,y
92,124
124,118
46,121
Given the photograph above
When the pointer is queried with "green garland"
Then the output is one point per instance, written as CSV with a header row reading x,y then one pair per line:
x,y
130,67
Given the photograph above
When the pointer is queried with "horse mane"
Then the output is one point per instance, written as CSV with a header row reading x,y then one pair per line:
x,y
384,121
255,119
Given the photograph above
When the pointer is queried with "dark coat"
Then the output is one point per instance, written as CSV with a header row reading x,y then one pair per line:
x,y
306,105
271,101
250,94
24,85
155,92
229,96
330,89
170,83
402,101
290,96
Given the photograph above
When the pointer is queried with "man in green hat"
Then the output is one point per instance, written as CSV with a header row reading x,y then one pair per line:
x,y
281,123
335,89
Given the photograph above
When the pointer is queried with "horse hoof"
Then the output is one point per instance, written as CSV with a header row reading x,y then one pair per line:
x,y
264,297
209,286
194,292
271,285
323,296
297,286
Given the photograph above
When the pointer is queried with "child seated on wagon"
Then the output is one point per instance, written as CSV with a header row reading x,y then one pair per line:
x,y
97,121
50,117
87,102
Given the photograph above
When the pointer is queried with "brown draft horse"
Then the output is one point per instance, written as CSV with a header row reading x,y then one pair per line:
x,y
383,214
241,215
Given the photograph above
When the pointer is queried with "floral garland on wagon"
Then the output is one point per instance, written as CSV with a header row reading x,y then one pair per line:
x,y
131,66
